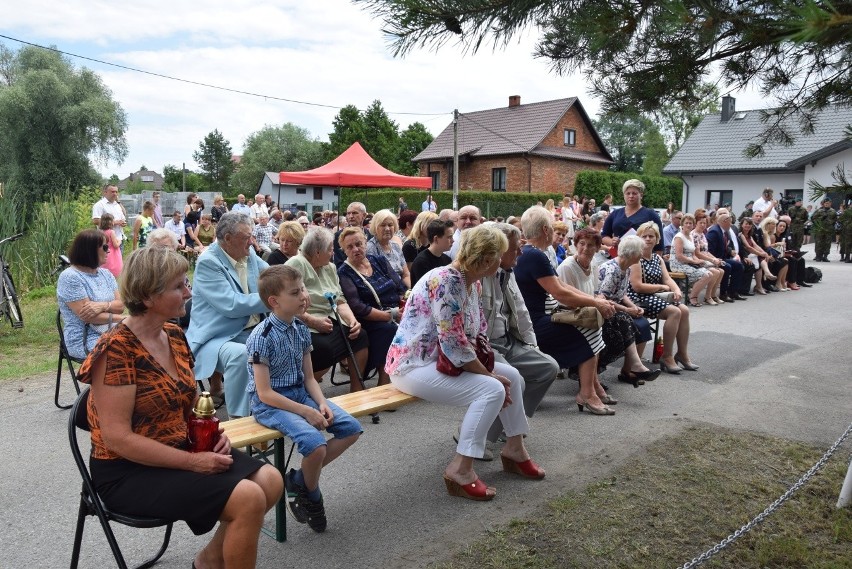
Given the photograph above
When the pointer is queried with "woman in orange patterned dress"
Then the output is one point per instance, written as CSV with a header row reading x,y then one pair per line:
x,y
143,391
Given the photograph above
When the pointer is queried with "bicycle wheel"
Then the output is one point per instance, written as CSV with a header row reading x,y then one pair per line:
x,y
13,309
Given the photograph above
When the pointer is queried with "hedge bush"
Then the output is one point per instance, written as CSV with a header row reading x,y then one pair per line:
x,y
659,190
491,204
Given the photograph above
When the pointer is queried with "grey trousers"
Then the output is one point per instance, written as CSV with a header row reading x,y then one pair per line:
x,y
537,368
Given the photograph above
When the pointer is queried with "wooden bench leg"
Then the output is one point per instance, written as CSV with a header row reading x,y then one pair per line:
x,y
279,450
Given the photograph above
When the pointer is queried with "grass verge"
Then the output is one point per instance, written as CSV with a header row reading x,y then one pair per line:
x,y
33,349
685,494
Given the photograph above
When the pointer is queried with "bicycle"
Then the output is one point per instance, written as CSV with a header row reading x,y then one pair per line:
x,y
9,305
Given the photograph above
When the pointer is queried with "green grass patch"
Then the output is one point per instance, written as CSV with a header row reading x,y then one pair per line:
x,y
673,502
33,349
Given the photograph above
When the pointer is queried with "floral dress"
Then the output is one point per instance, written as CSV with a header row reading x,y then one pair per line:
x,y
693,273
652,273
438,311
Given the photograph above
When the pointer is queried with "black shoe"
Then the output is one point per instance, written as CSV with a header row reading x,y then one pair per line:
x,y
296,495
825,260
804,284
727,298
746,293
740,297
771,288
316,514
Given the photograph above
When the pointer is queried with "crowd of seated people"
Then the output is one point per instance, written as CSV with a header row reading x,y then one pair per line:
x,y
354,281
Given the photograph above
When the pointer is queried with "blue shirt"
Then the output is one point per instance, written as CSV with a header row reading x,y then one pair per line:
x,y
617,223
668,234
241,208
280,347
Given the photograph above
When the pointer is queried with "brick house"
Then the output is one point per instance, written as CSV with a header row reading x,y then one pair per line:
x,y
538,147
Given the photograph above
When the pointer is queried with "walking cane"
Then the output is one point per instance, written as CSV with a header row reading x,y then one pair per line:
x,y
331,297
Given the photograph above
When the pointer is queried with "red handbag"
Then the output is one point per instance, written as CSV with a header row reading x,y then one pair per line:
x,y
484,354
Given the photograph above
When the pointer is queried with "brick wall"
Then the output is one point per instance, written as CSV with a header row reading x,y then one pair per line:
x,y
538,174
548,174
584,139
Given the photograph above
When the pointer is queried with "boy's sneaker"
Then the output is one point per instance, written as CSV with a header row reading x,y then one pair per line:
x,y
315,512
294,490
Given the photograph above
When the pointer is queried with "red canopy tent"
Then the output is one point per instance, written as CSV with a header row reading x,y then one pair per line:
x,y
354,168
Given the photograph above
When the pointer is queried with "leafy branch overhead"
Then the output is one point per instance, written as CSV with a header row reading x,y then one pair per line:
x,y
640,54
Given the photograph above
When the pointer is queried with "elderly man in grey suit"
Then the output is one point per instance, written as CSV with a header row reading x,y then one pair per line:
x,y
510,330
225,308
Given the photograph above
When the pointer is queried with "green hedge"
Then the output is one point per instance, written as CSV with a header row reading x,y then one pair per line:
x,y
491,204
659,190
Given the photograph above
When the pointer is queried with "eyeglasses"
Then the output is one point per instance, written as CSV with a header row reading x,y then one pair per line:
x,y
105,247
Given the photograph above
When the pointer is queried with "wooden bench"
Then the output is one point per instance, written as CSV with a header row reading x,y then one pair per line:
x,y
248,433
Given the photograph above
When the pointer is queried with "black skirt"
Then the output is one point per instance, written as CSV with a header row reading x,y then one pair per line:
x,y
198,499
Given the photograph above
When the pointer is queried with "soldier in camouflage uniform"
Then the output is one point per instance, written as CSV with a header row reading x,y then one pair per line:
x,y
823,229
845,220
747,212
798,219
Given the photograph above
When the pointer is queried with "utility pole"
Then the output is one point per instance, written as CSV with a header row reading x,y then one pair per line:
x,y
183,176
455,159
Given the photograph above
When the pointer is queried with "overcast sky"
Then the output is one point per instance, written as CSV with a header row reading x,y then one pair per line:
x,y
328,52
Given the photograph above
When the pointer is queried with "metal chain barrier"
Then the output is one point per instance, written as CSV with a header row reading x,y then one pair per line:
x,y
696,561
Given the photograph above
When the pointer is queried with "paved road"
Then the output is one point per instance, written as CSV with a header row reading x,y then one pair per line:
x,y
777,365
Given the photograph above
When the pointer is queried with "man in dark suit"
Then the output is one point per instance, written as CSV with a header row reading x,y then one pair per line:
x,y
720,246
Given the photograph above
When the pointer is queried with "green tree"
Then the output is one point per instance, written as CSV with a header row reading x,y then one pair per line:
x,y
53,117
214,159
412,141
381,136
347,128
677,120
174,180
656,152
624,137
640,55
274,149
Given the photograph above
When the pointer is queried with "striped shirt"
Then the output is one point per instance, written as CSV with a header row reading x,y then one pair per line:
x,y
280,347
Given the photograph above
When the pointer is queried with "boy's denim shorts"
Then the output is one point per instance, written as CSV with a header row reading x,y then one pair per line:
x,y
306,437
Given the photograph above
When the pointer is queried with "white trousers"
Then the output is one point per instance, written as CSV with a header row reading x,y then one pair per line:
x,y
482,394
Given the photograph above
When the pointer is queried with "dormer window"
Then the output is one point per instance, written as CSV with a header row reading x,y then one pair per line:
x,y
569,136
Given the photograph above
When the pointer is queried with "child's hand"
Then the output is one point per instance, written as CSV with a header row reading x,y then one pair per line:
x,y
327,412
315,418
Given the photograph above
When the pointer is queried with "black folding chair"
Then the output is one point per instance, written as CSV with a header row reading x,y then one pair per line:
x,y
91,504
68,359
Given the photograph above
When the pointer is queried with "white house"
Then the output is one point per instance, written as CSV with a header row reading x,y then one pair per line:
x,y
715,170
307,198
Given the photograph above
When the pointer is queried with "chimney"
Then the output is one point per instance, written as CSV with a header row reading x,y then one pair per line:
x,y
514,100
729,107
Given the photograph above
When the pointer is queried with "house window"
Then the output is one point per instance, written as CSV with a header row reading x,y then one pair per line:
x,y
318,194
301,191
720,198
147,178
498,179
436,180
569,136
336,192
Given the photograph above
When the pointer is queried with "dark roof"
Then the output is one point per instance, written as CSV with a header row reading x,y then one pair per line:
x,y
155,183
512,130
716,146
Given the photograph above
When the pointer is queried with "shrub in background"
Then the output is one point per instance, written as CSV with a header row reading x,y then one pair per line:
x,y
659,190
491,204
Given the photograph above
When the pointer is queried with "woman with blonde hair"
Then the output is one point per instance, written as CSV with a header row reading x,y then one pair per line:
x,y
142,391
289,237
444,318
631,216
417,239
384,226
649,277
